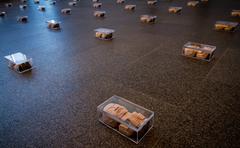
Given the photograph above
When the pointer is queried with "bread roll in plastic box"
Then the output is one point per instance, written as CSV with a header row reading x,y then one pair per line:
x,y
199,51
126,118
19,62
226,26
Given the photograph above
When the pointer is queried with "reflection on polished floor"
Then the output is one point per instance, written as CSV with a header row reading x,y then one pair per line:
x,y
196,103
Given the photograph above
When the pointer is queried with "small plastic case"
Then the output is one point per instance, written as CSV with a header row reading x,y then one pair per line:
x,y
36,1
19,62
53,3
174,9
99,13
8,5
54,25
148,18
22,6
72,3
128,119
199,51
22,19
95,1
120,1
130,7
226,26
41,8
66,11
235,13
104,33
192,3
151,2
3,14
97,5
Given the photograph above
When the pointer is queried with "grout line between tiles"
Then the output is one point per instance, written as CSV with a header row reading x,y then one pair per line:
x,y
211,70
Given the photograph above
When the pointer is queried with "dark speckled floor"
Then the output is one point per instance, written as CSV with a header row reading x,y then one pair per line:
x,y
196,104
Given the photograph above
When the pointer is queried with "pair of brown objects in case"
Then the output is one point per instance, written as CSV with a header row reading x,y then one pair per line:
x,y
134,118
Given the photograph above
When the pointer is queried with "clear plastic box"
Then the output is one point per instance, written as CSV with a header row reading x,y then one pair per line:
x,y
199,51
22,19
104,33
54,25
22,6
19,62
148,18
53,2
41,8
72,3
128,119
174,9
2,14
130,7
152,2
120,1
192,3
36,1
8,4
226,26
99,13
235,13
97,5
66,11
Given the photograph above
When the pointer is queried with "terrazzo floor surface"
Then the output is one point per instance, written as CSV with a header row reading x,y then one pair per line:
x,y
196,104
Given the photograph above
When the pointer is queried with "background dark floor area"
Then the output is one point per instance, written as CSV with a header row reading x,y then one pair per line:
x,y
196,104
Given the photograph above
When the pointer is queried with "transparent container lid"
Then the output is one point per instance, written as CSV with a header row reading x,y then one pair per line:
x,y
152,1
148,16
17,58
72,3
53,22
3,13
22,6
193,3
104,30
233,24
174,7
130,6
97,4
236,11
41,7
66,10
120,1
100,12
202,47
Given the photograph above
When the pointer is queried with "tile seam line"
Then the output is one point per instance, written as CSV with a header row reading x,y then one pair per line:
x,y
211,70
145,55
156,143
147,95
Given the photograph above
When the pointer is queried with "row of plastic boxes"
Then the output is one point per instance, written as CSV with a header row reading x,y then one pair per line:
x,y
97,4
52,24
127,7
20,63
